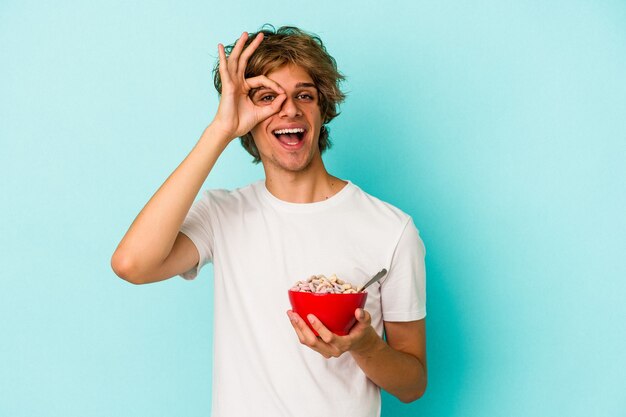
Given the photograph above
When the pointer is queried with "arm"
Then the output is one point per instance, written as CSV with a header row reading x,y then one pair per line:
x,y
398,366
153,249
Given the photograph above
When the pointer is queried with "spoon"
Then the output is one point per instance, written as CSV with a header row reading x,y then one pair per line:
x,y
376,277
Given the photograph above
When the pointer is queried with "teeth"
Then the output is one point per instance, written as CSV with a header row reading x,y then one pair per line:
x,y
285,131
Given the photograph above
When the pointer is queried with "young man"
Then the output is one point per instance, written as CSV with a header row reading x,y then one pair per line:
x,y
278,91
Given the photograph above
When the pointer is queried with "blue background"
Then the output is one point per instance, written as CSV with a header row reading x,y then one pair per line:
x,y
499,126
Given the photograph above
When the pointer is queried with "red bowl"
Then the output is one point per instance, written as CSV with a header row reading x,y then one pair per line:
x,y
335,311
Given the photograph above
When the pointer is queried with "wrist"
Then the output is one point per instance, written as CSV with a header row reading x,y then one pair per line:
x,y
215,133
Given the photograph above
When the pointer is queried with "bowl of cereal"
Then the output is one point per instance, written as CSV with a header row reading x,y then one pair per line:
x,y
332,300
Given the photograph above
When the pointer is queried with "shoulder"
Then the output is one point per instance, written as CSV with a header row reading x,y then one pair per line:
x,y
378,209
231,198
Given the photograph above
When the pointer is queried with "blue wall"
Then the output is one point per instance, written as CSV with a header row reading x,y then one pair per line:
x,y
499,126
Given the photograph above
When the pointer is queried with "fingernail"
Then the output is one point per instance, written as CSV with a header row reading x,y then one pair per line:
x,y
311,318
293,318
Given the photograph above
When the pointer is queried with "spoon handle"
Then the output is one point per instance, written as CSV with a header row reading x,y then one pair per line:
x,y
376,277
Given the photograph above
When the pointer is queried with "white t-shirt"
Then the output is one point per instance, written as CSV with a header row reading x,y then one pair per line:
x,y
260,246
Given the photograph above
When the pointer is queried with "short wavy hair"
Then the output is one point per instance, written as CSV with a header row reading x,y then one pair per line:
x,y
291,45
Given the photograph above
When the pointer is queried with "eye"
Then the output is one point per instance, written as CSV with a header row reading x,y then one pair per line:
x,y
305,96
264,98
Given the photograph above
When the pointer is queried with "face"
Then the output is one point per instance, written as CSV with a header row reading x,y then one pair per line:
x,y
288,140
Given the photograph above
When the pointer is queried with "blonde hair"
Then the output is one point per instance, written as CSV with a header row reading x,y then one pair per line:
x,y
290,45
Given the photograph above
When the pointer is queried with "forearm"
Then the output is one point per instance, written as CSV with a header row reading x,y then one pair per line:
x,y
399,373
151,236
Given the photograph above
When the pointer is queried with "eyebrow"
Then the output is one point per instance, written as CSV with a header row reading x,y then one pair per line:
x,y
298,85
258,89
264,88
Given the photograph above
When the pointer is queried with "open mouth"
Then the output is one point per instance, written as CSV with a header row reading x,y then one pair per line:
x,y
289,136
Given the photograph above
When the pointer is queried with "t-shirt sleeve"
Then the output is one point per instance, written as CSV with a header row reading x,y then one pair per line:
x,y
197,227
403,291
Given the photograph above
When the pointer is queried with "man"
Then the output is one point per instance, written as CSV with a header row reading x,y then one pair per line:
x,y
278,91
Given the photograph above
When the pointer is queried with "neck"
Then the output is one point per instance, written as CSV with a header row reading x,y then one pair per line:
x,y
308,186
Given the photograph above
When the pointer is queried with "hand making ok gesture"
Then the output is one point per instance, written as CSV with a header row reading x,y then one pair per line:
x,y
237,114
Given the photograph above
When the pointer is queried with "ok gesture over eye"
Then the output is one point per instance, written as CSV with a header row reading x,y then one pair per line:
x,y
237,114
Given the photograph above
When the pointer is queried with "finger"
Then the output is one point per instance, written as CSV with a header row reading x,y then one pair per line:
x,y
262,81
247,53
233,59
308,338
293,318
306,335
223,69
326,335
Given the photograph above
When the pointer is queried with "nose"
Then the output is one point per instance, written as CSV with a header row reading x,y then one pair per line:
x,y
289,109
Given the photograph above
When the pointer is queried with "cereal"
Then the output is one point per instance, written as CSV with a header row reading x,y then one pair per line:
x,y
319,284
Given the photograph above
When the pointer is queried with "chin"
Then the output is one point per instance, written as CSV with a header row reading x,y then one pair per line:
x,y
291,165
296,167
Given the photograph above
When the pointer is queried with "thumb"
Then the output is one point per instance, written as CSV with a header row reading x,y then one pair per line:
x,y
362,316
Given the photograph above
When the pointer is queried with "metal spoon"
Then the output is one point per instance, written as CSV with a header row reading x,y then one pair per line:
x,y
376,277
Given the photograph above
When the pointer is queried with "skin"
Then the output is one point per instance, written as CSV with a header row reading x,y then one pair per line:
x,y
153,249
